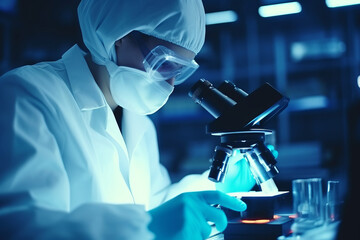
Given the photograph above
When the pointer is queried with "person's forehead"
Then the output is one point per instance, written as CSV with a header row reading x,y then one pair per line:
x,y
183,52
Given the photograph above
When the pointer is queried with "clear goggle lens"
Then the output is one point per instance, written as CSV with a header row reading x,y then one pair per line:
x,y
163,64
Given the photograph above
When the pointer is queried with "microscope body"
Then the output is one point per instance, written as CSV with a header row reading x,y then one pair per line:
x,y
238,122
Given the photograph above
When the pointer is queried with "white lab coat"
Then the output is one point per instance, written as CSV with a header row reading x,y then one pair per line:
x,y
66,170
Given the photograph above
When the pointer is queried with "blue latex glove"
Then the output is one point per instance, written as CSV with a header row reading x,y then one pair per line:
x,y
186,216
239,177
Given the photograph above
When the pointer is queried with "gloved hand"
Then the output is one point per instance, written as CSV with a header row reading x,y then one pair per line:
x,y
239,177
186,216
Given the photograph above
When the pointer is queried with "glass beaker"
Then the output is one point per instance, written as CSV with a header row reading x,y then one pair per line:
x,y
308,204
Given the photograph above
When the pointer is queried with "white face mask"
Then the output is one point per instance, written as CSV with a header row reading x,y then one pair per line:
x,y
133,90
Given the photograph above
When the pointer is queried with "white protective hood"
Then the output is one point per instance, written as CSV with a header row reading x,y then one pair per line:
x,y
103,22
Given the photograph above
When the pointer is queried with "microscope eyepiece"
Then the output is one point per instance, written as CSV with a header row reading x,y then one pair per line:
x,y
233,92
210,98
234,109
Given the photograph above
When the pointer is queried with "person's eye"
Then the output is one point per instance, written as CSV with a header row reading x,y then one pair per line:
x,y
170,66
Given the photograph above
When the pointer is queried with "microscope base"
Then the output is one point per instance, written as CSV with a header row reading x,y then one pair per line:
x,y
264,229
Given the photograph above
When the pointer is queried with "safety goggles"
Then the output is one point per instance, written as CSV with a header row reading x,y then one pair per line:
x,y
162,64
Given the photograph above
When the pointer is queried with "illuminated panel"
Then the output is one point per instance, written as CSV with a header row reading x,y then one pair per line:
x,y
341,3
280,9
221,17
259,221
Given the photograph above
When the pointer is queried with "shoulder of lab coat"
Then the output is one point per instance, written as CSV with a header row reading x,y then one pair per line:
x,y
34,183
27,114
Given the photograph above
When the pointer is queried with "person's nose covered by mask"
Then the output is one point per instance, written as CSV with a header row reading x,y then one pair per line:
x,y
144,90
134,89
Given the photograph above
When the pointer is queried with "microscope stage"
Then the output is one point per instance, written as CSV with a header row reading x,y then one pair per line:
x,y
257,194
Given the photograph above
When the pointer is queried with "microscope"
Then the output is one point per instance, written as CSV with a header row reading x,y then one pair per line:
x,y
239,119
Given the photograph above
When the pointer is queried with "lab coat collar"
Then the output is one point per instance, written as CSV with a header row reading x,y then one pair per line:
x,y
134,126
85,90
136,132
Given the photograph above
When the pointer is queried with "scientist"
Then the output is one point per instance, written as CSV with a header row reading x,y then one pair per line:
x,y
79,158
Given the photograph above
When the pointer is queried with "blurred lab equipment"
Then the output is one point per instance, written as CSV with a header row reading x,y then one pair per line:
x,y
308,204
333,202
239,121
311,221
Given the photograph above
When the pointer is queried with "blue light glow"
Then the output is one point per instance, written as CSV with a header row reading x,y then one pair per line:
x,y
264,114
7,5
309,103
280,9
221,17
341,3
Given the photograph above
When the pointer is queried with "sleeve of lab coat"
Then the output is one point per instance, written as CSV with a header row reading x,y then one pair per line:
x,y
191,183
34,188
19,220
162,189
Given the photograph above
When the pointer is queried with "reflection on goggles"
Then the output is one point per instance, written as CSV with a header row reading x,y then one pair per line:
x,y
162,64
